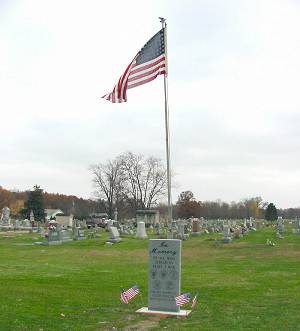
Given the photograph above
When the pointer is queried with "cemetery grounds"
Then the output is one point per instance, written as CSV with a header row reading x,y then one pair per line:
x,y
243,285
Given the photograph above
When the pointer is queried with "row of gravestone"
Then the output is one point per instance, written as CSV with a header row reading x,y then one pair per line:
x,y
18,225
181,231
280,227
115,234
58,236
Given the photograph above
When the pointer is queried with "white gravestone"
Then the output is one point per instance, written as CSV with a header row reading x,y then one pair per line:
x,y
181,232
109,223
114,235
141,231
5,215
164,277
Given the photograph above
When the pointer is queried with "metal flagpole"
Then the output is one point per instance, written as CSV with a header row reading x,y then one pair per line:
x,y
164,26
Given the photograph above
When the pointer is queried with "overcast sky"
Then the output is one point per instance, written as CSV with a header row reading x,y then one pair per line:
x,y
233,93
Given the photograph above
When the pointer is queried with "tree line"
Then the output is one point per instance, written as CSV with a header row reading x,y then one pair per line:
x,y
21,202
187,206
130,182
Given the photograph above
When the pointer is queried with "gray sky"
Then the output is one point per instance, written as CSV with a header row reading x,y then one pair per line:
x,y
233,87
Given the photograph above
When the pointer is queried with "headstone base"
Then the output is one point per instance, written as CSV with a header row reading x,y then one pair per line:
x,y
114,241
54,243
227,240
196,234
39,243
142,237
180,313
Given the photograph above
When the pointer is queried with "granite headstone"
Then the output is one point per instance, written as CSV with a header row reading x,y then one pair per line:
x,y
164,274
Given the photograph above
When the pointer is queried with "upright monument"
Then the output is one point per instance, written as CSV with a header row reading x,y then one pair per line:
x,y
5,216
164,278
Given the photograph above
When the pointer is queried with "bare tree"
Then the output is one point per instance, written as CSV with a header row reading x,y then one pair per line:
x,y
145,179
132,167
108,180
130,180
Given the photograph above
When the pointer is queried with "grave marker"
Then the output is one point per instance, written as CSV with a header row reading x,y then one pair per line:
x,y
54,237
195,227
141,231
226,233
164,277
114,235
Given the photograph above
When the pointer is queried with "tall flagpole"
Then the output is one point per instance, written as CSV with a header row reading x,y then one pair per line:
x,y
164,26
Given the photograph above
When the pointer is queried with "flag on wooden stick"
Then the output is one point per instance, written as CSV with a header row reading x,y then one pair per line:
x,y
195,300
126,296
149,62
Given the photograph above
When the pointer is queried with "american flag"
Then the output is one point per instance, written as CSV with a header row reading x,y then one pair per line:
x,y
149,62
126,296
182,299
195,300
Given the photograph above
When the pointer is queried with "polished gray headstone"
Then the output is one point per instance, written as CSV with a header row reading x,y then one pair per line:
x,y
164,274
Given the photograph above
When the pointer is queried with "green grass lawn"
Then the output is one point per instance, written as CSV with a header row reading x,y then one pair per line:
x,y
244,285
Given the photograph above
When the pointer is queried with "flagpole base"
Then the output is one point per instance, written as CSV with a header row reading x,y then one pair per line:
x,y
180,313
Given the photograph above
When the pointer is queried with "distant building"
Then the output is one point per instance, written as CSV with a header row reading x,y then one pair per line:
x,y
51,213
150,217
64,220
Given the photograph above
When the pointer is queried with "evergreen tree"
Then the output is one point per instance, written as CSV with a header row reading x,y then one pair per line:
x,y
271,212
35,203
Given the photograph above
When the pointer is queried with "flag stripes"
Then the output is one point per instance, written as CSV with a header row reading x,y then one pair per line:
x,y
126,296
145,67
182,299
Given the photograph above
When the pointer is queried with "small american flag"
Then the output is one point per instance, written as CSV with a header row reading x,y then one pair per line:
x,y
126,296
195,300
149,62
182,299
